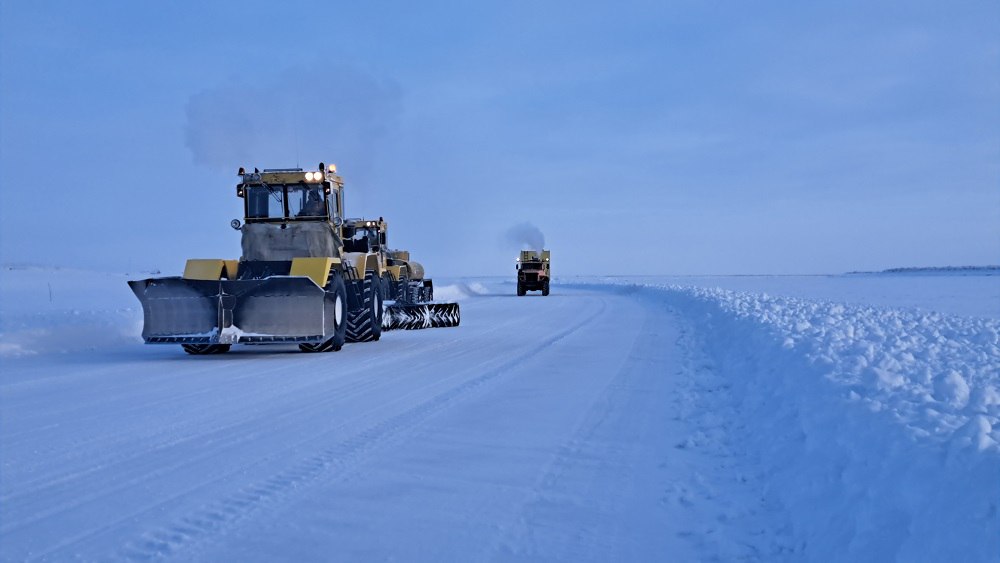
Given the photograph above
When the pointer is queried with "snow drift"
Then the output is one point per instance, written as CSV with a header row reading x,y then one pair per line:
x,y
875,429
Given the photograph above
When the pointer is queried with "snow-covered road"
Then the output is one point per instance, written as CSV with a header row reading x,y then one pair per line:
x,y
489,441
612,420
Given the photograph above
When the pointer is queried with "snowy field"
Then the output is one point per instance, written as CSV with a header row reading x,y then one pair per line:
x,y
822,418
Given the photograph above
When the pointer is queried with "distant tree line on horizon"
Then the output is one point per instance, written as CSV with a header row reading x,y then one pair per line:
x,y
919,269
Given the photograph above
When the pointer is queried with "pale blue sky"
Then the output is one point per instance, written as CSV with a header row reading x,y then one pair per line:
x,y
640,137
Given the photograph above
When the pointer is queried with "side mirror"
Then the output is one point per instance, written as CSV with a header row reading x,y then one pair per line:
x,y
337,221
235,223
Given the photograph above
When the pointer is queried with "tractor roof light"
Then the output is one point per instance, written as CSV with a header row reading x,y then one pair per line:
x,y
332,168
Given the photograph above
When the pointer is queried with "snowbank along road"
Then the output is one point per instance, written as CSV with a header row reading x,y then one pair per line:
x,y
600,423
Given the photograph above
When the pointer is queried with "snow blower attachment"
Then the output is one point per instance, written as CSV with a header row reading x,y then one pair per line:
x,y
414,316
408,293
297,281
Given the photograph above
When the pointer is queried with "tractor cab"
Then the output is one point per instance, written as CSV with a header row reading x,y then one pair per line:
x,y
361,235
291,195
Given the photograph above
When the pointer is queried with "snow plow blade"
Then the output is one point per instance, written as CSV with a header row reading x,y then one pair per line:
x,y
277,309
412,316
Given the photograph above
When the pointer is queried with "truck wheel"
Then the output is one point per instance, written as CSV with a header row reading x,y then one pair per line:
x,y
336,291
365,324
545,288
520,290
204,349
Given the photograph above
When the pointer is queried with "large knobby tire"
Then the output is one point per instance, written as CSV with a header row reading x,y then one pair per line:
x,y
545,288
205,349
387,286
337,292
365,324
403,286
520,289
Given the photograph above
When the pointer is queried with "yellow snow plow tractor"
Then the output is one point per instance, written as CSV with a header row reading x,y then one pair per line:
x,y
533,272
295,282
408,293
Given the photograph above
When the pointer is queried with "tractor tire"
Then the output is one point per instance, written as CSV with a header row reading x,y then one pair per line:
x,y
387,286
326,346
338,290
545,289
365,324
403,289
205,349
520,290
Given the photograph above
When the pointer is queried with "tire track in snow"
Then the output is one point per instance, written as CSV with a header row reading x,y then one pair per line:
x,y
80,488
148,464
171,437
586,451
337,459
200,524
677,487
275,414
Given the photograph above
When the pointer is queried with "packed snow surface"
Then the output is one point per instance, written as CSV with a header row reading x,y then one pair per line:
x,y
843,418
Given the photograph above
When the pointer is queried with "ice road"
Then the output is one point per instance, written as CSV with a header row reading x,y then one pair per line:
x,y
600,423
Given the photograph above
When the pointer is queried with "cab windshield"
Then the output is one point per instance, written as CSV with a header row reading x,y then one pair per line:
x,y
361,239
284,202
306,202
